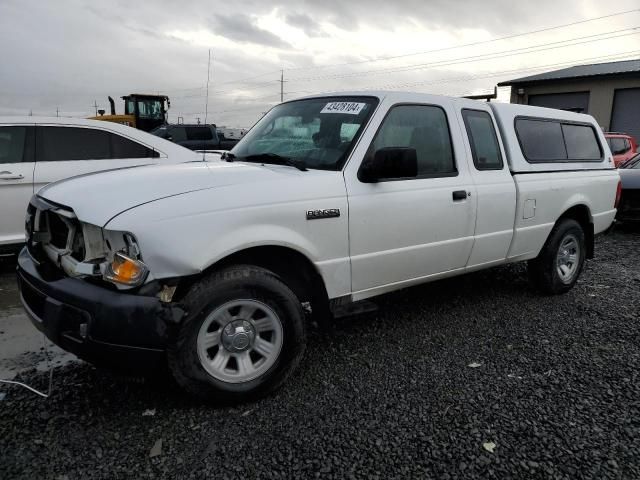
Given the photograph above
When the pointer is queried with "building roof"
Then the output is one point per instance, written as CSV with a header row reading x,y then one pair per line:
x,y
625,67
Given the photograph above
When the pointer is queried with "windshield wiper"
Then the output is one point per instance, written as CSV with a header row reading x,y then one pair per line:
x,y
228,156
275,159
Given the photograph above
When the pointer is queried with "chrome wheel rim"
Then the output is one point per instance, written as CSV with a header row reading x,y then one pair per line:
x,y
568,258
239,341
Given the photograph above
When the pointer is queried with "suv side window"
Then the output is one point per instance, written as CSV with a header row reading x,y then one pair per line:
x,y
483,140
16,144
199,133
72,143
124,148
178,134
618,145
424,128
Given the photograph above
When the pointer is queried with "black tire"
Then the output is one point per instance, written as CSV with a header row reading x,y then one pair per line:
x,y
543,270
215,290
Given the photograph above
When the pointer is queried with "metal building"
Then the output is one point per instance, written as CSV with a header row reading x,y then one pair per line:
x,y
608,91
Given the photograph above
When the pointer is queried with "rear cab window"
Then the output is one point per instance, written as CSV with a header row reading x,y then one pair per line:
x,y
545,140
483,140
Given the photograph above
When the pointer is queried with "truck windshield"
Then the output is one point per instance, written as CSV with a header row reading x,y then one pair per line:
x,y
318,133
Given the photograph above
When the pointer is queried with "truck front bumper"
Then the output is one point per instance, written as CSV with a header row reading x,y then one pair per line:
x,y
102,326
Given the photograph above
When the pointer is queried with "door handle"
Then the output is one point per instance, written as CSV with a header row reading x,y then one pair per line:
x,y
459,195
10,176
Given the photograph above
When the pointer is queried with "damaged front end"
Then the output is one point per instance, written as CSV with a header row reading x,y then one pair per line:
x,y
90,292
82,250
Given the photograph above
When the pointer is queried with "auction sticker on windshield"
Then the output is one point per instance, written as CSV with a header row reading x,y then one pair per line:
x,y
351,108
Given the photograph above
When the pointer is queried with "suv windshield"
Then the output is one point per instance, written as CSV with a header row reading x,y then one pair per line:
x,y
317,133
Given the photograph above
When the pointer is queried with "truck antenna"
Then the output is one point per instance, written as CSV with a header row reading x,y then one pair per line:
x,y
206,105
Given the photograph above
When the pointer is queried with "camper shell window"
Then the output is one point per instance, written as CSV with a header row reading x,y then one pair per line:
x,y
544,140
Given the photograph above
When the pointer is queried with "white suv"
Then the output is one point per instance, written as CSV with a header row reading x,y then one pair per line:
x,y
35,151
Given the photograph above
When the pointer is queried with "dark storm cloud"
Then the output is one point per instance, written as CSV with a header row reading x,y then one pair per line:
x,y
241,28
495,15
306,23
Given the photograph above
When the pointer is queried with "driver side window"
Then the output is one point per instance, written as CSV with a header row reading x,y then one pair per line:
x,y
423,128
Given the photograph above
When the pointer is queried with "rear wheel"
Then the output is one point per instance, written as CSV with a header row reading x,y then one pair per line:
x,y
559,264
243,336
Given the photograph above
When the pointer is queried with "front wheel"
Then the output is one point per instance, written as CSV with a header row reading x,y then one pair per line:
x,y
558,266
243,336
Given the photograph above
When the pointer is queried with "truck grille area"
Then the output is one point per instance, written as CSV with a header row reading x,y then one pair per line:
x,y
58,230
52,233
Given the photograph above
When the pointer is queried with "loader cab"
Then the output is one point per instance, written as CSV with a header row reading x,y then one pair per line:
x,y
150,111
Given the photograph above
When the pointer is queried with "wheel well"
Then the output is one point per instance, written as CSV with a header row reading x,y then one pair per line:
x,y
293,268
582,215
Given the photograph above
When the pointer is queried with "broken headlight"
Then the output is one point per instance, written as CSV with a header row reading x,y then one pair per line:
x,y
124,265
125,270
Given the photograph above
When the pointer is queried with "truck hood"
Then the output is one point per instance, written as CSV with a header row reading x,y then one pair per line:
x,y
98,197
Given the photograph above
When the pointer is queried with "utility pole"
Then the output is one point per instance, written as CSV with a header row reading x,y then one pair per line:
x,y
57,112
206,105
281,86
95,105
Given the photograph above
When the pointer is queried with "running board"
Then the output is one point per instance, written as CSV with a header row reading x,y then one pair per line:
x,y
353,308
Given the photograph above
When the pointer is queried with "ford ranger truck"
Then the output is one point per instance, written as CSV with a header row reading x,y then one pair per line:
x,y
212,268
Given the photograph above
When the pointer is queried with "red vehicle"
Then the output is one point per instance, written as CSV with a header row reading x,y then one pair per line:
x,y
622,146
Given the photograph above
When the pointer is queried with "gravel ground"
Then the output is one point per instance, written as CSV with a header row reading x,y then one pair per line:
x,y
420,389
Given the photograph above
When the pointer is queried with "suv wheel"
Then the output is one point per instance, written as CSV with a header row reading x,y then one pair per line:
x,y
243,336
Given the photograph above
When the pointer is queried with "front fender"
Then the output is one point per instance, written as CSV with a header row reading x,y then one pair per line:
x,y
182,244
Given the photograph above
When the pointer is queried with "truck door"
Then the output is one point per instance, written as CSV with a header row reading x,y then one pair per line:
x,y
496,191
16,180
403,231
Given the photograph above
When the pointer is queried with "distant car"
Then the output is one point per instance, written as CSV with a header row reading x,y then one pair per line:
x,y
35,151
195,137
622,146
629,207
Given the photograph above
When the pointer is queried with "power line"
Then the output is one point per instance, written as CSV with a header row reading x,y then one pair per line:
x,y
445,81
618,56
443,63
472,44
485,56
381,59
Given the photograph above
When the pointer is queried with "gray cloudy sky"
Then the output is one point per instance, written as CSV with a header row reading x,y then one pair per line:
x,y
67,53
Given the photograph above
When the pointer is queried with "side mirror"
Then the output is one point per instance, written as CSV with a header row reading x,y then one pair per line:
x,y
389,163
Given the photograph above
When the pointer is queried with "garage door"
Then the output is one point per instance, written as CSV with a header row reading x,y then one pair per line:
x,y
626,112
574,102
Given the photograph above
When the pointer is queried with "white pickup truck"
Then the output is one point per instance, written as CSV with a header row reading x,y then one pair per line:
x,y
327,200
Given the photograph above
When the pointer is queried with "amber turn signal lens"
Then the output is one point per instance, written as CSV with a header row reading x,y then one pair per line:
x,y
126,270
